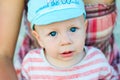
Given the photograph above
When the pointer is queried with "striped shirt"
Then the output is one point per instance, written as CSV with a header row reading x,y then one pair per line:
x,y
94,66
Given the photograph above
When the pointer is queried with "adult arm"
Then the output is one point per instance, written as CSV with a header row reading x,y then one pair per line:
x,y
98,1
10,20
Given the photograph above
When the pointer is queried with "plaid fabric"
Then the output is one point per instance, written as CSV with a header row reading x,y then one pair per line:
x,y
99,10
101,19
26,46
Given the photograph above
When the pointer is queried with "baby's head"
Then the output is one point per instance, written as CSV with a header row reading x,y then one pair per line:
x,y
58,26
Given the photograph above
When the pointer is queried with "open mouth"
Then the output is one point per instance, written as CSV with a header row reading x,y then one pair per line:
x,y
67,54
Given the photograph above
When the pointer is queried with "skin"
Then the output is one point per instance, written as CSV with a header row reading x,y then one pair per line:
x,y
63,37
98,1
94,2
10,19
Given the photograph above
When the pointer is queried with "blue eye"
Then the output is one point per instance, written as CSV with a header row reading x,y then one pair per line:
x,y
73,29
53,33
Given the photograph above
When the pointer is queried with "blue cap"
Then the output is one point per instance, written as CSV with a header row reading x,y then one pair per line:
x,y
43,12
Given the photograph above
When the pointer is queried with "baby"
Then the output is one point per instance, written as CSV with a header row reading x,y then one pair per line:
x,y
59,26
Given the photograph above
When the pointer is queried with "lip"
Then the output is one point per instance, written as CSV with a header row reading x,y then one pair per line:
x,y
67,54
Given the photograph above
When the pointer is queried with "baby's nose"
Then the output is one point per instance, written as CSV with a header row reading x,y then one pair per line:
x,y
66,39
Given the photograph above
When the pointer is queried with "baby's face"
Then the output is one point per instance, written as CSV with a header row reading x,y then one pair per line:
x,y
62,41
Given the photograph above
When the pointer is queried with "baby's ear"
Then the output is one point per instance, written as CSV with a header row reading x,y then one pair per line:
x,y
86,24
36,35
